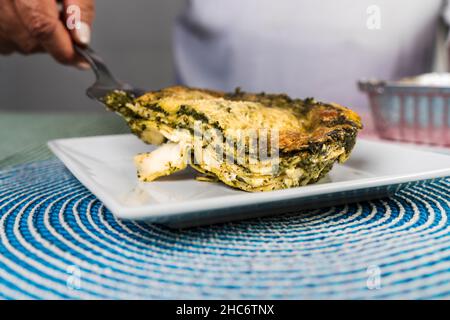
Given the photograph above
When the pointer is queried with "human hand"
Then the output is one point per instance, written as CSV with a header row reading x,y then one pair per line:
x,y
30,26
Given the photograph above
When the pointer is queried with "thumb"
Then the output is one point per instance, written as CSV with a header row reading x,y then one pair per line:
x,y
79,16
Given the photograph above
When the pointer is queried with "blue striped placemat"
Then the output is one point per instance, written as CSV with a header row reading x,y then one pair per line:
x,y
59,241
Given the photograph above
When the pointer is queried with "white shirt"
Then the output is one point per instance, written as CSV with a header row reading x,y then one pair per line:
x,y
305,48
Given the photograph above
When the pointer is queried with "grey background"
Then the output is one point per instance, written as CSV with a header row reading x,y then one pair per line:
x,y
135,39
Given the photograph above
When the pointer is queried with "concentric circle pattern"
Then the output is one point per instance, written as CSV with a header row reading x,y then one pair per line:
x,y
59,241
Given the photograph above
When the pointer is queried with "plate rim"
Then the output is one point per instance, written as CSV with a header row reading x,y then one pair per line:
x,y
157,211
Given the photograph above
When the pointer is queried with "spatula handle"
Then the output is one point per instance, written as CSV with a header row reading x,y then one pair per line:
x,y
104,76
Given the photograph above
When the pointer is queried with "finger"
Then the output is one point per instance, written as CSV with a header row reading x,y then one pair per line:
x,y
7,47
15,31
41,19
79,18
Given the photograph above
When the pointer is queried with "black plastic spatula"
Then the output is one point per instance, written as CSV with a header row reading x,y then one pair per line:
x,y
105,81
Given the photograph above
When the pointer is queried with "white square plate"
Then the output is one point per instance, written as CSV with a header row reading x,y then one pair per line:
x,y
104,164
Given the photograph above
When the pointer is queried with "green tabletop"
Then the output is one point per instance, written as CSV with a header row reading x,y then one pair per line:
x,y
24,135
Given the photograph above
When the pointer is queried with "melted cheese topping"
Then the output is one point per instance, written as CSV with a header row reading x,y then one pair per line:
x,y
234,115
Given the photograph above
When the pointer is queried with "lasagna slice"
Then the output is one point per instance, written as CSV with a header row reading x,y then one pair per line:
x,y
252,142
